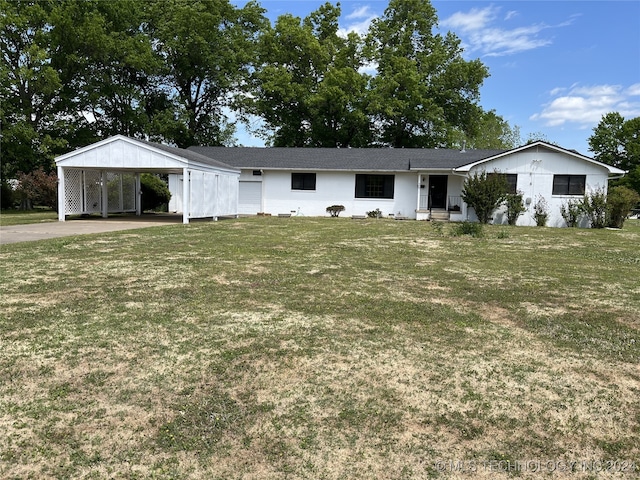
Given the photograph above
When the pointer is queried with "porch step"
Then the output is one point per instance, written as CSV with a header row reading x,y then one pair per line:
x,y
439,216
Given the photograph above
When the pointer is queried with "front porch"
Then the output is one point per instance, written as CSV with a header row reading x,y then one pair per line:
x,y
440,198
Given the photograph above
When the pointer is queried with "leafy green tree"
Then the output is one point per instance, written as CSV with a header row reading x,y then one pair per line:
x,y
491,132
484,193
208,50
607,141
307,88
423,88
616,141
107,66
29,86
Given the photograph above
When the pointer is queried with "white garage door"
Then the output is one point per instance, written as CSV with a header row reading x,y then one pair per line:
x,y
250,201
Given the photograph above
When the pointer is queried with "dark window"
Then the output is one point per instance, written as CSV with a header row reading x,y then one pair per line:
x,y
512,181
303,181
569,184
257,172
374,186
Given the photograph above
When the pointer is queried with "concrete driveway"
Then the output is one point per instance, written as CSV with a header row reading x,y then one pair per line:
x,y
41,231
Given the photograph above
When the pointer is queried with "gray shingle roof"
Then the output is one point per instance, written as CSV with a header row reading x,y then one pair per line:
x,y
366,159
190,155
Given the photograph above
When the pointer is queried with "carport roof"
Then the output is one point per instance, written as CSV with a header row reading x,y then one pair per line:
x,y
365,159
173,158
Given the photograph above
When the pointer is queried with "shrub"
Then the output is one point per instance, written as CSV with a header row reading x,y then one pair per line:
x,y
374,213
515,207
468,228
571,212
155,193
484,193
594,205
38,188
335,210
541,211
620,201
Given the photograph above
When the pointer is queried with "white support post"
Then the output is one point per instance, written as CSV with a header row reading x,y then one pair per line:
x,y
62,200
419,190
105,193
138,195
186,199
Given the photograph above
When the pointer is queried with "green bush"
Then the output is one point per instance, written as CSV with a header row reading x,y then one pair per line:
x,y
484,193
620,201
155,193
335,210
468,228
594,205
374,213
571,212
541,211
38,188
515,207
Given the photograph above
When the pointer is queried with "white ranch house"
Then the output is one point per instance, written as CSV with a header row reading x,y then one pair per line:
x,y
417,184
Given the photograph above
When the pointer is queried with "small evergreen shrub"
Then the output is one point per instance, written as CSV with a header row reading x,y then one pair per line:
x,y
335,210
468,228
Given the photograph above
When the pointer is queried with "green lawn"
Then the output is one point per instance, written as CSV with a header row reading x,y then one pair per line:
x,y
20,217
321,348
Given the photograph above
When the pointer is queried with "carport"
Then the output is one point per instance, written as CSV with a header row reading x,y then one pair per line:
x,y
104,178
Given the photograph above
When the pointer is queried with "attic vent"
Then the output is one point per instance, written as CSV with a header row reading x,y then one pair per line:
x,y
257,172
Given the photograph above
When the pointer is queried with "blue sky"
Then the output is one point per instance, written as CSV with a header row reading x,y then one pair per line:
x,y
556,66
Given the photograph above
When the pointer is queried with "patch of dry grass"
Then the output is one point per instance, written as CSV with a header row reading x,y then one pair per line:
x,y
319,348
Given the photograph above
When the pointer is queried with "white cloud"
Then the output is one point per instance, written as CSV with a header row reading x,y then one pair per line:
x,y
634,90
585,105
358,21
480,34
511,15
362,12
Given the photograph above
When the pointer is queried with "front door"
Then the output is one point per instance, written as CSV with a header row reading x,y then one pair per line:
x,y
438,191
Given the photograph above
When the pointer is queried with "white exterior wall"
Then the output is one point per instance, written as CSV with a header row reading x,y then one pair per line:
x,y
535,168
210,194
336,188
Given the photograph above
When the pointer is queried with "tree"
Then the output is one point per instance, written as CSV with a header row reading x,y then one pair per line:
x,y
207,47
616,141
607,141
307,88
29,85
484,193
423,88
